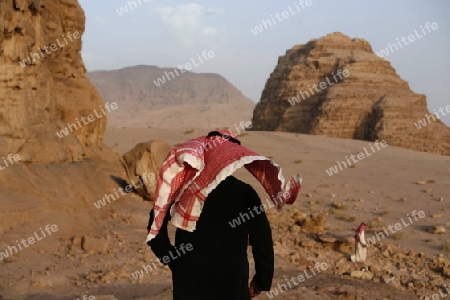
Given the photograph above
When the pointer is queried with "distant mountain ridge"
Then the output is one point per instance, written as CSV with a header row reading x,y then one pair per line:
x,y
165,97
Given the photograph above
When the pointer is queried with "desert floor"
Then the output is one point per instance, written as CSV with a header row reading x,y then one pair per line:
x,y
380,190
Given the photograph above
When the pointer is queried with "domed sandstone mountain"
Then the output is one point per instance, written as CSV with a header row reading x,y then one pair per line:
x,y
336,86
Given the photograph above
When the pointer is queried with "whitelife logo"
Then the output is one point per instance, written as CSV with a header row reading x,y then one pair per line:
x,y
11,158
128,189
423,122
130,4
90,118
187,67
398,226
322,86
360,156
266,24
281,287
165,260
31,240
86,297
220,140
391,48
34,56
441,294
243,217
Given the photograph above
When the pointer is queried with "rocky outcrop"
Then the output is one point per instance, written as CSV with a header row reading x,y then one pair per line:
x,y
143,163
56,179
336,86
165,97
43,85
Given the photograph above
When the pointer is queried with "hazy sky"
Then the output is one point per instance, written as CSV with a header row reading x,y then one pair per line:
x,y
169,33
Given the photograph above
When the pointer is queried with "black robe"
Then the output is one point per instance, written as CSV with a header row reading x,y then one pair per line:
x,y
216,266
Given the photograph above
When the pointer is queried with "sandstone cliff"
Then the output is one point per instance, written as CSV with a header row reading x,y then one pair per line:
x,y
43,85
369,102
158,97
56,179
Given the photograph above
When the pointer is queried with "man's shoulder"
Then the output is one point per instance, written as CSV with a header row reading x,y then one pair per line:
x,y
233,181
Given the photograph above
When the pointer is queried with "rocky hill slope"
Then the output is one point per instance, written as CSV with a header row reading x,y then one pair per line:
x,y
163,97
336,86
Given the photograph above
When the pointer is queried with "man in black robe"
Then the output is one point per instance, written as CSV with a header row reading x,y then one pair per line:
x,y
217,266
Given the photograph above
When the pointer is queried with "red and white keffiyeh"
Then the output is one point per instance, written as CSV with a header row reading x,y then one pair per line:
x,y
359,233
195,168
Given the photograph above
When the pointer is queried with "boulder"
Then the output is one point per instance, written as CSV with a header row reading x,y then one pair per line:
x,y
366,275
439,229
313,224
94,244
143,163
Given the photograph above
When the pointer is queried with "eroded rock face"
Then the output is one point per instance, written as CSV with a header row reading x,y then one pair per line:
x,y
143,163
39,98
368,102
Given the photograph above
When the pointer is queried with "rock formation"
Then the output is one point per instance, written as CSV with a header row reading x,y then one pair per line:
x,y
43,85
143,163
336,86
42,88
202,100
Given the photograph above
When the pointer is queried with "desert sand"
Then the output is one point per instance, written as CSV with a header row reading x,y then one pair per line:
x,y
380,190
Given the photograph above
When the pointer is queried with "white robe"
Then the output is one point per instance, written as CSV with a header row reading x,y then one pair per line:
x,y
360,249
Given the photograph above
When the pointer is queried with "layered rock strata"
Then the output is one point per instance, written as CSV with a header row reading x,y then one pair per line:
x,y
336,86
43,87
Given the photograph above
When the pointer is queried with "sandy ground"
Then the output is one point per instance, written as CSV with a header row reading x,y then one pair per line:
x,y
380,189
383,185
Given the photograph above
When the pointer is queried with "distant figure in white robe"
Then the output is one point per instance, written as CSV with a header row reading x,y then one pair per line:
x,y
360,245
